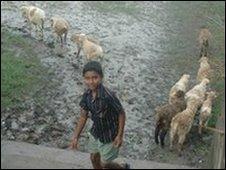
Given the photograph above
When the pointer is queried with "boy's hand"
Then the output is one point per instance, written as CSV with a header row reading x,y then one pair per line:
x,y
74,144
117,141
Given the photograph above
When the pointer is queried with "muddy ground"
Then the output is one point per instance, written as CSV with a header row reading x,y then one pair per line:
x,y
148,46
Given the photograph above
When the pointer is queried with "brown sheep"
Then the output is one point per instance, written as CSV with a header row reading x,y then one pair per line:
x,y
60,26
204,37
204,69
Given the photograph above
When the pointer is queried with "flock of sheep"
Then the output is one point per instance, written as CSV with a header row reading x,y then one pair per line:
x,y
36,16
178,114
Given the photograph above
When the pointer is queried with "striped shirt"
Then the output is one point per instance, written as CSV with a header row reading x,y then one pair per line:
x,y
104,111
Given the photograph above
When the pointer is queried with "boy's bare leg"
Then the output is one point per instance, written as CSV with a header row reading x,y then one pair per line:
x,y
95,159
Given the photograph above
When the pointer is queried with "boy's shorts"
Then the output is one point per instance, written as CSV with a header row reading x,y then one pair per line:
x,y
107,151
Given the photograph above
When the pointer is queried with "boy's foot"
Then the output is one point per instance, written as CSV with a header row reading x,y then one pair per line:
x,y
127,166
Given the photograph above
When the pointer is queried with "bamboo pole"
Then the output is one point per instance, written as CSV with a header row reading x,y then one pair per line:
x,y
213,129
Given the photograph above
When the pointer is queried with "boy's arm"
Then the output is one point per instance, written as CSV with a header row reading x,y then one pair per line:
x,y
122,119
119,138
78,129
81,124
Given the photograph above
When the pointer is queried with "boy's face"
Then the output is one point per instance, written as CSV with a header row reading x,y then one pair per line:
x,y
92,79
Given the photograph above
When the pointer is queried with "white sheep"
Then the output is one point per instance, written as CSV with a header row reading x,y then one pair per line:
x,y
181,85
181,124
204,69
35,16
206,110
198,92
164,115
60,26
90,48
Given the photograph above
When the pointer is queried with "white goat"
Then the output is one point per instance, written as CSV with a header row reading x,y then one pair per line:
x,y
204,69
206,110
181,85
60,26
35,16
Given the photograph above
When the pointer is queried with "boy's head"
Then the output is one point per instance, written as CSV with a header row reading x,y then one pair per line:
x,y
93,74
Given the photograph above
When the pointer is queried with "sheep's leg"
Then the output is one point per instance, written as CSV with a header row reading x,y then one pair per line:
x,y
41,28
162,137
181,141
157,130
30,28
36,31
201,51
200,127
65,38
206,48
172,136
61,41
79,49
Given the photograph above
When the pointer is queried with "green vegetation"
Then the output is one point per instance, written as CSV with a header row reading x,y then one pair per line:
x,y
20,69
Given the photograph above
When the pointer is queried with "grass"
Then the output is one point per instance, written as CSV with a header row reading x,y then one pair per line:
x,y
21,70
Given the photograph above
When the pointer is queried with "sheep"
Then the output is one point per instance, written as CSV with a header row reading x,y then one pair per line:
x,y
182,85
204,37
204,69
60,26
181,124
197,92
34,15
206,109
90,48
165,113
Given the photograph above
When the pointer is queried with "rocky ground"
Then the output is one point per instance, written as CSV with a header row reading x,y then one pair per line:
x,y
147,49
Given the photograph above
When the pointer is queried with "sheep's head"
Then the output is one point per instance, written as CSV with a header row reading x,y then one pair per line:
x,y
211,94
75,38
180,94
52,21
205,81
187,76
203,59
24,10
82,37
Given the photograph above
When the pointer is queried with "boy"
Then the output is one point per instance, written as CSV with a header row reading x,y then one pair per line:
x,y
108,118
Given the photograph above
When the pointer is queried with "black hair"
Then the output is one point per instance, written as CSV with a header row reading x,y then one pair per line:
x,y
93,66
